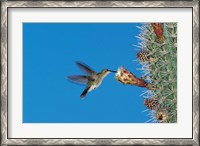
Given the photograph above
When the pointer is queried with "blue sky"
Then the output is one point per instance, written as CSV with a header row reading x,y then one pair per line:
x,y
50,51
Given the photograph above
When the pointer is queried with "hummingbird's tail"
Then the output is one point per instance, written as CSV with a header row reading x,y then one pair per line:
x,y
85,92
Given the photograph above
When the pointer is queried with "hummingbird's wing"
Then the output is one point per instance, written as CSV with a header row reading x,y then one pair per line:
x,y
80,79
86,69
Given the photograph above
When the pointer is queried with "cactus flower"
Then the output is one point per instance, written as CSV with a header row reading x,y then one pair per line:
x,y
143,56
151,103
162,115
127,77
158,30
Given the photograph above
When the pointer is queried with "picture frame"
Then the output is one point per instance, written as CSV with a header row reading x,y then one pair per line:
x,y
5,129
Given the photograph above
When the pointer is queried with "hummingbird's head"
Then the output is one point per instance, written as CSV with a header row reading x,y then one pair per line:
x,y
107,71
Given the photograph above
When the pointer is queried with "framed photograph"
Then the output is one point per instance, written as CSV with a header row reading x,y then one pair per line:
x,y
99,73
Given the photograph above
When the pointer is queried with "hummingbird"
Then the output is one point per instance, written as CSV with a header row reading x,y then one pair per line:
x,y
92,79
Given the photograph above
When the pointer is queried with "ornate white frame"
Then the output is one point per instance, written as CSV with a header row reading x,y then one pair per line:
x,y
4,72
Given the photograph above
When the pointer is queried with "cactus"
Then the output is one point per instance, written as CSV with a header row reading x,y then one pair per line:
x,y
158,57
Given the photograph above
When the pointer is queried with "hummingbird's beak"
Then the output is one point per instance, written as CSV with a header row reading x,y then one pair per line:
x,y
112,71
